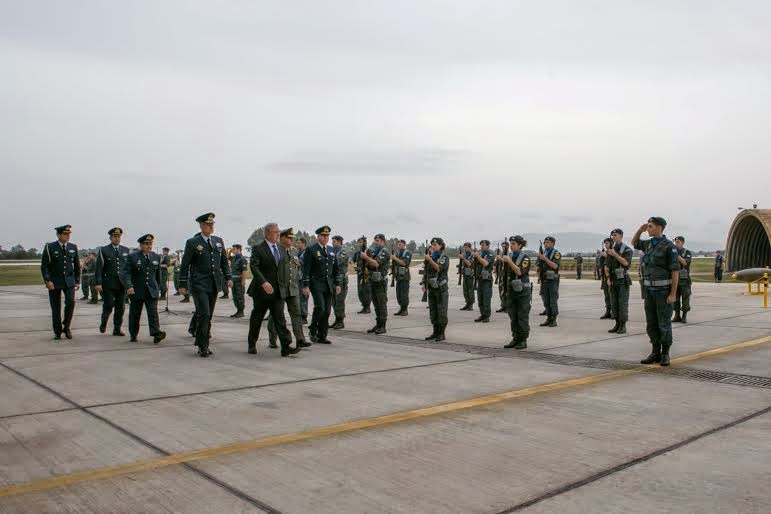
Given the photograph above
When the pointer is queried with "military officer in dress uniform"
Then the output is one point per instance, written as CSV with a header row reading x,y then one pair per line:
x,y
238,271
290,292
60,267
520,293
617,261
109,260
683,298
165,263
661,273
484,262
377,259
203,261
549,268
436,265
321,279
341,254
141,276
403,259
467,276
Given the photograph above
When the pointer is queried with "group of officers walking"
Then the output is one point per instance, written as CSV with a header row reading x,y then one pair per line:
x,y
287,273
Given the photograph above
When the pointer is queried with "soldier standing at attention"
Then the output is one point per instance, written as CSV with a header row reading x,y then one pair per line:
x,y
87,283
363,285
321,279
60,267
290,292
618,260
604,278
579,264
341,255
500,271
484,261
377,259
403,259
238,273
520,292
109,260
437,264
203,261
165,262
683,298
549,263
467,274
301,245
718,266
661,271
141,276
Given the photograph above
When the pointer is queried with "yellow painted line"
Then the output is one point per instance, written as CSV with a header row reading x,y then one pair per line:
x,y
351,426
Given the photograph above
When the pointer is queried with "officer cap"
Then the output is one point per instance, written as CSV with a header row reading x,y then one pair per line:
x,y
287,232
323,231
237,246
206,218
402,241
338,238
147,238
115,231
617,231
437,240
166,249
484,242
680,238
658,220
64,229
549,238
519,240
466,244
380,236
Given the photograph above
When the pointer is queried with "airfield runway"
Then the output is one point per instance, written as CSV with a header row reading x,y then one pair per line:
x,y
390,423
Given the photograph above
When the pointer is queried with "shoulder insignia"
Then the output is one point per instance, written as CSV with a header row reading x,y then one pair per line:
x,y
525,263
557,255
442,260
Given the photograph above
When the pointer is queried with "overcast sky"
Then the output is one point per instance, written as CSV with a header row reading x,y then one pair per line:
x,y
414,118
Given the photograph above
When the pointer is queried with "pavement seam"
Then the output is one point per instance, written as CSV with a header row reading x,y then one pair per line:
x,y
633,462
347,427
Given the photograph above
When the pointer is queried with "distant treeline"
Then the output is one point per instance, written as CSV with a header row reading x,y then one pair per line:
x,y
18,252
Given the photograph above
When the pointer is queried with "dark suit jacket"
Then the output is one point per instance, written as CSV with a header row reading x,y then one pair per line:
x,y
202,265
143,276
264,269
108,266
320,270
61,266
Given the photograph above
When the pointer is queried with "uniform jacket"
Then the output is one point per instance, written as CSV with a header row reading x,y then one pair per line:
x,y
238,266
165,259
143,273
659,260
320,269
264,269
289,276
61,265
489,256
203,265
383,259
626,252
109,262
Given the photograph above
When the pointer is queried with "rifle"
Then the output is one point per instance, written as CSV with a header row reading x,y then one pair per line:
x,y
393,268
503,274
474,263
497,267
541,270
424,272
361,265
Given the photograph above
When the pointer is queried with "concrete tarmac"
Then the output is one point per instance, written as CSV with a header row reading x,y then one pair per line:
x,y
390,423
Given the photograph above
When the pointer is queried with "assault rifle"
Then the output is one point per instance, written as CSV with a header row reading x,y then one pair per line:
x,y
460,266
393,268
424,272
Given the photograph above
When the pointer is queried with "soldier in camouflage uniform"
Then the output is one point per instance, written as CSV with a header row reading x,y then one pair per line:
x,y
520,292
341,254
238,266
467,274
363,285
484,261
683,297
604,278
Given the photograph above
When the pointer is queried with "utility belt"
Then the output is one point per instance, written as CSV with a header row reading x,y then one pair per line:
x,y
435,283
550,274
657,283
518,285
376,276
684,274
468,272
485,274
401,272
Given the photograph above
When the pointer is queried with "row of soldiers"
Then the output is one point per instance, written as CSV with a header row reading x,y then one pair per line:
x,y
284,276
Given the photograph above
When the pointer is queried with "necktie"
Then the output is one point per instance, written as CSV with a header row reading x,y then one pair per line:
x,y
275,254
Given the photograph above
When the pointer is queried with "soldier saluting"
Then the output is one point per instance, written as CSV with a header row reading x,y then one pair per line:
x,y
141,276
60,267
203,261
109,260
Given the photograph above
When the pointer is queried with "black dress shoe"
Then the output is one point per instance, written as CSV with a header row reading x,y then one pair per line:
x,y
325,341
160,336
289,351
102,329
252,350
314,339
118,333
68,333
303,344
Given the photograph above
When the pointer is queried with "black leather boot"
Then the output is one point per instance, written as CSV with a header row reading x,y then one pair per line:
x,y
614,329
655,355
665,354
606,315
682,318
621,328
677,318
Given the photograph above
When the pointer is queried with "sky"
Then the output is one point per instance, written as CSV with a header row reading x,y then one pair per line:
x,y
413,118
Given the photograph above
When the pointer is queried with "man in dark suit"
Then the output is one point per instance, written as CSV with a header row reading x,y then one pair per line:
x,y
268,261
60,267
204,259
109,261
321,279
141,276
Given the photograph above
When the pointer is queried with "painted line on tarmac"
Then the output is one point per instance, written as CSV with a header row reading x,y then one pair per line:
x,y
351,426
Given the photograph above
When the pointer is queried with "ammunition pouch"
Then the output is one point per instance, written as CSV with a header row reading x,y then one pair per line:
x,y
467,272
376,276
485,275
401,272
550,274
516,285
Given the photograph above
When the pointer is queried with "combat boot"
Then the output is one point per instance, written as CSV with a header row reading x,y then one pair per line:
x,y
380,329
546,323
433,335
621,328
440,335
544,313
665,354
614,329
404,312
606,315
338,324
682,319
512,344
677,318
372,330
553,322
521,345
655,355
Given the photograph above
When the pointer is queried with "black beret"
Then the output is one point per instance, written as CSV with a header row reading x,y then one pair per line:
x,y
147,238
607,240
325,230
303,241
237,246
166,249
64,229
379,236
437,240
680,238
519,240
115,231
550,238
658,220
205,218
338,238
617,231
484,242
402,241
467,244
